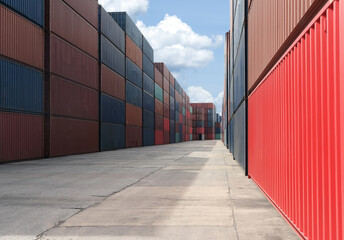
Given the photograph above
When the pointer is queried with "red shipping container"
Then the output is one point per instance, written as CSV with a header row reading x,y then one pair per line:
x,y
159,137
88,9
166,85
159,109
69,99
166,124
172,79
112,83
166,137
158,77
177,127
163,70
71,136
159,122
133,52
295,129
21,136
133,136
21,39
166,98
166,111
210,136
133,115
70,26
71,63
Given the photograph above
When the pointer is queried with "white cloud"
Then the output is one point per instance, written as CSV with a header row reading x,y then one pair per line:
x,y
176,44
132,7
198,94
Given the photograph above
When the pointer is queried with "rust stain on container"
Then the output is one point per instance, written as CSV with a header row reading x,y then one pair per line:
x,y
112,83
133,52
133,115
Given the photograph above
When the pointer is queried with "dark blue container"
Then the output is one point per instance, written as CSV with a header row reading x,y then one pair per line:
x,y
176,119
239,75
148,137
171,102
32,9
147,49
134,73
133,94
112,110
210,124
112,136
217,130
147,66
240,135
112,56
128,25
148,84
172,114
171,91
176,106
148,102
172,132
111,30
148,119
21,88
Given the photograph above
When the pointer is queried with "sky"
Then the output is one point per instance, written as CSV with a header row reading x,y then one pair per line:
x,y
188,36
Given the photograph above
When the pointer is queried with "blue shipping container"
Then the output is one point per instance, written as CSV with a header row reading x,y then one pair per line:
x,y
147,49
112,136
133,94
240,135
21,88
111,30
134,73
176,118
148,119
172,115
112,56
148,84
171,102
147,66
171,91
176,105
33,9
148,137
172,132
239,76
112,110
148,102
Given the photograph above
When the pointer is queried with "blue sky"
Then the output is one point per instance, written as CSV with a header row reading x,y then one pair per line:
x,y
192,47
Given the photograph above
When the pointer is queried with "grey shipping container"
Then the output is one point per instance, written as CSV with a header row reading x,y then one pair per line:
x,y
147,49
148,137
112,56
148,84
148,102
133,94
239,74
148,119
112,136
134,73
112,110
147,66
239,135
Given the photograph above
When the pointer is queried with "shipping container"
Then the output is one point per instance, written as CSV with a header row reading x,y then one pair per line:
x,y
21,136
148,137
148,102
148,119
133,52
159,107
134,73
172,114
159,122
148,84
295,127
20,39
162,68
157,77
112,136
239,76
166,125
172,132
147,49
133,136
147,66
166,98
21,88
159,137
112,110
88,9
166,137
166,111
133,94
112,56
67,24
133,115
112,83
159,93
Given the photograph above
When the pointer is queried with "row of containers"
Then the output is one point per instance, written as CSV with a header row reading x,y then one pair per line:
x,y
283,111
77,79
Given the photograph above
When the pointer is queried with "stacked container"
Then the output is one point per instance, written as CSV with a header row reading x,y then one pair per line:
x,y
172,110
21,80
188,126
178,111
134,78
112,83
159,107
203,121
218,127
71,80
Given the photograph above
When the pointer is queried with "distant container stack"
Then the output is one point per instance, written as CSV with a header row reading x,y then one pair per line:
x,y
21,80
218,128
203,121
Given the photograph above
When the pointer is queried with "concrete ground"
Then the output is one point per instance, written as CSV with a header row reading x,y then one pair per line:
x,y
187,191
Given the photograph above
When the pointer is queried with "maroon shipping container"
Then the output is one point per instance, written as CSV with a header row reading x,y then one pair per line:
x,y
71,63
88,9
112,83
172,79
21,39
163,70
70,99
159,122
166,111
69,25
72,136
166,85
166,137
133,136
159,108
166,98
295,129
158,77
133,115
209,136
166,124
21,136
159,137
133,52
177,127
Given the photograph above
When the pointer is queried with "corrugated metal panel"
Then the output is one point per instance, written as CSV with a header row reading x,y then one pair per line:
x,y
134,73
148,84
88,9
111,56
148,102
73,100
112,110
159,108
72,136
112,83
21,136
134,94
148,119
112,136
293,128
147,49
110,29
269,26
157,77
159,137
133,115
133,52
128,25
133,136
147,66
159,93
20,39
69,25
73,64
33,10
21,88
148,137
